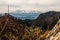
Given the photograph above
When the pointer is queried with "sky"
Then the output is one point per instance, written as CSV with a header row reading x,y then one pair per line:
x,y
30,5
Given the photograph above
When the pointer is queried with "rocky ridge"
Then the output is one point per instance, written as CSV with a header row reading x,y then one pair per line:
x,y
54,34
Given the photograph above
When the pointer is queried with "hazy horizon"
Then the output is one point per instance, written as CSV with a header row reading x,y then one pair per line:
x,y
28,5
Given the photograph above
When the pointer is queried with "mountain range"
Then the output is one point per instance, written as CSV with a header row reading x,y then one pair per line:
x,y
11,26
35,18
25,14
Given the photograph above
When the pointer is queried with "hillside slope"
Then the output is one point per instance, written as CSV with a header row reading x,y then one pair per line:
x,y
47,20
54,34
10,25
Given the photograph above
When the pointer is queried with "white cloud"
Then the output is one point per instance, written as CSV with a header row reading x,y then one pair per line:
x,y
42,5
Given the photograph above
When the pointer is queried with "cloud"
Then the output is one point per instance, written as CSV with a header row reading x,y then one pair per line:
x,y
42,5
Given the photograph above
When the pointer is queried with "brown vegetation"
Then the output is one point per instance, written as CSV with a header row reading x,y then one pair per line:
x,y
15,29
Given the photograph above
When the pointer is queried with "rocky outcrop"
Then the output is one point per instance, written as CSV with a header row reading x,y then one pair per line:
x,y
54,34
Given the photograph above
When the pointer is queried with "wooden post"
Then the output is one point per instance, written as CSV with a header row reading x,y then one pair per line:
x,y
8,9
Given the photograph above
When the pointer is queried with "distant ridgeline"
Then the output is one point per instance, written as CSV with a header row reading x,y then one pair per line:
x,y
25,14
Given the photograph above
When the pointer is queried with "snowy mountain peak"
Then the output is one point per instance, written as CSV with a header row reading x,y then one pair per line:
x,y
24,11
